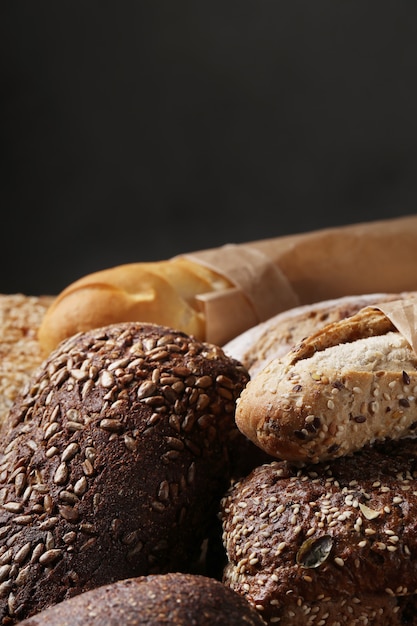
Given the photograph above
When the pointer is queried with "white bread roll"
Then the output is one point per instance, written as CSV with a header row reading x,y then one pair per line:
x,y
351,383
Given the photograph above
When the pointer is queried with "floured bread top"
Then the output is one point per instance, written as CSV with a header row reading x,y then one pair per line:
x,y
349,384
389,352
272,339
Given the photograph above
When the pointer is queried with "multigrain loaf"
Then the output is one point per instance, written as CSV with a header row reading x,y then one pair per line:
x,y
351,383
175,599
272,339
113,460
20,353
332,543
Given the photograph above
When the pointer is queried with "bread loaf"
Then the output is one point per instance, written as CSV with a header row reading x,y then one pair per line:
x,y
113,461
276,336
217,294
20,352
174,599
351,383
330,543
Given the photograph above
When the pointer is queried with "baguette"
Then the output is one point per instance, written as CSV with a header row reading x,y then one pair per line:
x,y
218,293
351,383
161,293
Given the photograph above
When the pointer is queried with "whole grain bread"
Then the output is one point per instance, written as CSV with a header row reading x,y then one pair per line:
x,y
329,543
113,461
272,339
175,599
351,383
20,353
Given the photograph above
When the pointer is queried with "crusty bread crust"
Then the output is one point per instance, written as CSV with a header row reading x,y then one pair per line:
x,y
113,462
162,293
175,598
349,384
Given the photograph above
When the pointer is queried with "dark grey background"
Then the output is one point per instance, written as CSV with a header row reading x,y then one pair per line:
x,y
134,131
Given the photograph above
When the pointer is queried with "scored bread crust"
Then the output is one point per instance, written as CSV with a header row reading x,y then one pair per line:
x,y
20,352
276,336
350,383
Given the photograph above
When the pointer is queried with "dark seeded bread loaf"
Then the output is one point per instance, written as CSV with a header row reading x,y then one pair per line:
x,y
351,383
20,352
272,339
174,599
113,462
331,543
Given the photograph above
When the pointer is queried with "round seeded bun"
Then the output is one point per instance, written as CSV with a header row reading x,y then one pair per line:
x,y
113,462
156,600
329,543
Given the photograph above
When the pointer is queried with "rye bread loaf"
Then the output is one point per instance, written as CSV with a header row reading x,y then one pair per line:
x,y
113,461
175,599
351,383
272,339
20,353
331,543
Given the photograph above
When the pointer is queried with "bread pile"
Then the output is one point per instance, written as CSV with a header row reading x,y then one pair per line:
x,y
151,475
327,533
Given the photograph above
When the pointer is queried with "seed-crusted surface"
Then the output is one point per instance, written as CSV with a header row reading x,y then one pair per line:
x,y
351,383
330,543
176,598
113,461
20,353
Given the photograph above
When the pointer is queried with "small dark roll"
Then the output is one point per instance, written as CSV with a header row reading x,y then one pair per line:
x,y
113,463
177,599
331,543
